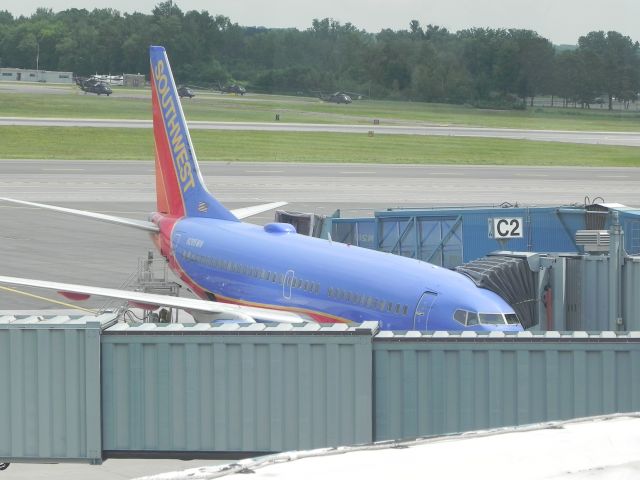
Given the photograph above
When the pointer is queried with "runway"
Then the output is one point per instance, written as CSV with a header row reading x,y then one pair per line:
x,y
323,187
630,139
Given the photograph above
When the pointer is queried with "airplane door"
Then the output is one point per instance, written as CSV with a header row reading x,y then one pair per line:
x,y
421,317
175,243
286,285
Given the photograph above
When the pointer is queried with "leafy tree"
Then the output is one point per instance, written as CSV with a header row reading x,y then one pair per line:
x,y
482,66
535,63
612,61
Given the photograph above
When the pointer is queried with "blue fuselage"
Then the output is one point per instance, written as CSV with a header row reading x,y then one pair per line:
x,y
326,281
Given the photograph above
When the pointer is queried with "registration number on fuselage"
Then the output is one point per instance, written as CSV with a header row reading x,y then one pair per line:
x,y
195,242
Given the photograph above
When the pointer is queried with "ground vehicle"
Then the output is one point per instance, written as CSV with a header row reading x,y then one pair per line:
x,y
91,85
338,97
185,91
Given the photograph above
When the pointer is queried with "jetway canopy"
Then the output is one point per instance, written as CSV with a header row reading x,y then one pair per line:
x,y
509,277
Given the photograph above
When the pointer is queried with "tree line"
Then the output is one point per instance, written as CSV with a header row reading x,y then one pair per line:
x,y
479,66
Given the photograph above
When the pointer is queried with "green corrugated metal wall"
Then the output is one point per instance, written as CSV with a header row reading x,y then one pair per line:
x,y
436,384
50,388
631,293
71,394
179,389
587,292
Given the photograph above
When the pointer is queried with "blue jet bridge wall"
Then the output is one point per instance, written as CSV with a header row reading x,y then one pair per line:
x,y
452,236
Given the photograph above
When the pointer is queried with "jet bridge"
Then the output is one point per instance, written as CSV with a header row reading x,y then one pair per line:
x,y
452,236
511,277
85,389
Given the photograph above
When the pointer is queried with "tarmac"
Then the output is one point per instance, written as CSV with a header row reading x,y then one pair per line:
x,y
50,246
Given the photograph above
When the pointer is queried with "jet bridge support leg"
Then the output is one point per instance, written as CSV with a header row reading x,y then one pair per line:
x,y
616,260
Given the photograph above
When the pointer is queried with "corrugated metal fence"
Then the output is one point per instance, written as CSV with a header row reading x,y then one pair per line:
x,y
588,299
631,293
75,390
205,389
50,388
438,383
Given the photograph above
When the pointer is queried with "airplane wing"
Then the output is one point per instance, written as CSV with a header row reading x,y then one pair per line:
x,y
239,213
236,312
129,222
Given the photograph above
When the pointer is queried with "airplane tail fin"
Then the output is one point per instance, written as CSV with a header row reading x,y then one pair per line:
x,y
179,186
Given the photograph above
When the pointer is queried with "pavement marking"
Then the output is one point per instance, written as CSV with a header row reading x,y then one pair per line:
x,y
51,300
63,169
263,171
531,175
615,176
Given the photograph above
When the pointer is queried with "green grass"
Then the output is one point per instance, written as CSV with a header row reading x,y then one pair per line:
x,y
135,104
133,144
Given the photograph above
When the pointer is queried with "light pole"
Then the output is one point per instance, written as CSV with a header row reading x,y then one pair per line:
x,y
37,60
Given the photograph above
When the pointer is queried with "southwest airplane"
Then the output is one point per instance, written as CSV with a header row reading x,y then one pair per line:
x,y
247,273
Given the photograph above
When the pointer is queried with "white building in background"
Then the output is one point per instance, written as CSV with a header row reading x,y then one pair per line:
x,y
110,79
126,79
25,75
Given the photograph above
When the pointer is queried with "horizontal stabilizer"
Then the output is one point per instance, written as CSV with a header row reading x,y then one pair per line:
x,y
129,222
189,304
245,212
